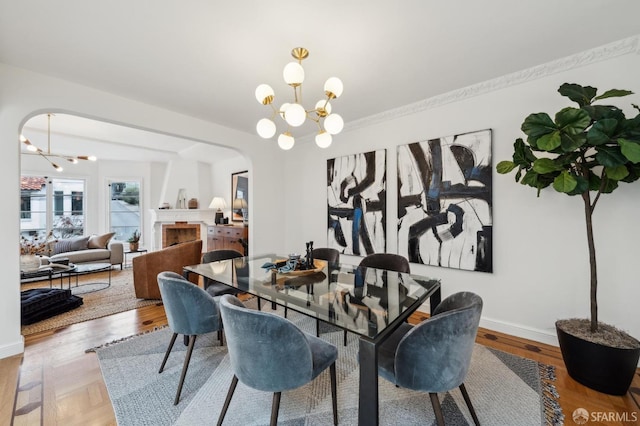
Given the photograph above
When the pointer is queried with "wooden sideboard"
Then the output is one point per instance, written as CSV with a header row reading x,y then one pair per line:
x,y
227,237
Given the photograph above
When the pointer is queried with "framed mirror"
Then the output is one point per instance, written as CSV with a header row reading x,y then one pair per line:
x,y
240,196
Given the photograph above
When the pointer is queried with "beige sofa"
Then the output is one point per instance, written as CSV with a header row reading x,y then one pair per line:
x,y
91,249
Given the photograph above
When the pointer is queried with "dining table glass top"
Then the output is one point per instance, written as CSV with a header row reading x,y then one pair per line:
x,y
365,301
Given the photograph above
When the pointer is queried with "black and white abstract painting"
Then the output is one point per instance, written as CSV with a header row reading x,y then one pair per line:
x,y
356,198
444,201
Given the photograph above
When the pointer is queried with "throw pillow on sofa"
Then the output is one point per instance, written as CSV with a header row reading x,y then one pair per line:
x,y
71,244
100,241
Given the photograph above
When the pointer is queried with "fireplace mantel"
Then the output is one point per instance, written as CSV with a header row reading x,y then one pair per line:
x,y
203,217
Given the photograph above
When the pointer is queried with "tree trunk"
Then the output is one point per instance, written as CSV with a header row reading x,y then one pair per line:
x,y
588,214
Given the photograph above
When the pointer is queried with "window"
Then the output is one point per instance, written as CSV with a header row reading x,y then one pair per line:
x,y
124,208
51,205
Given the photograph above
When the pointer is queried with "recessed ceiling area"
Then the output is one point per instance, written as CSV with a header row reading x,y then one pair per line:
x,y
73,135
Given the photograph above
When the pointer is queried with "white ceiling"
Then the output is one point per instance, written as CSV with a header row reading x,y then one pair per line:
x,y
205,58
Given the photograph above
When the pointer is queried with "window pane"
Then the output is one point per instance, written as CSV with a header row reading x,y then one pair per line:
x,y
124,209
33,206
68,215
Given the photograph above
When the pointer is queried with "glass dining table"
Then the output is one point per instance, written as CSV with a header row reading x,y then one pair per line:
x,y
368,302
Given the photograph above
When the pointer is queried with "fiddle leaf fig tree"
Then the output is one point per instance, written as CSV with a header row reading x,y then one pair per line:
x,y
582,151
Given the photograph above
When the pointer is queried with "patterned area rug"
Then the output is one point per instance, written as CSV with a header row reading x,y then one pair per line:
x,y
505,389
98,301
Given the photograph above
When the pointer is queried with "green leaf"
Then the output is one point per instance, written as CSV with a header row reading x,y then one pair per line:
x,y
610,156
634,173
602,131
565,182
630,149
577,93
549,142
572,120
616,173
598,112
546,165
522,154
536,125
609,186
530,178
505,167
570,143
582,185
613,93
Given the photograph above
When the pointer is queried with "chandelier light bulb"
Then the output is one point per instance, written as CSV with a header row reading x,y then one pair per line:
x,y
264,94
283,109
23,138
31,147
323,139
92,158
323,108
286,141
72,160
333,124
333,87
266,128
293,74
295,115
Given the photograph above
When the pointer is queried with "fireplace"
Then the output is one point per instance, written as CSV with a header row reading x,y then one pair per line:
x,y
179,232
183,225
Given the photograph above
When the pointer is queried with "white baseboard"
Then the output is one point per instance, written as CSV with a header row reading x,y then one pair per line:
x,y
518,330
12,349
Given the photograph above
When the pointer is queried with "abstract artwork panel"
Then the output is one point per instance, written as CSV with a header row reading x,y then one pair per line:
x,y
444,201
356,198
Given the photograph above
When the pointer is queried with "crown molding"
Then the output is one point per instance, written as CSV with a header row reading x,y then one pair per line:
x,y
608,51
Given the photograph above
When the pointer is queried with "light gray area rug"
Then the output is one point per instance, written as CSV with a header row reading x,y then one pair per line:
x,y
505,389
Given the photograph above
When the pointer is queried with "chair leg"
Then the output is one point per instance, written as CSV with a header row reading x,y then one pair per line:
x,y
285,311
259,307
334,393
227,401
221,337
275,408
465,395
166,355
344,338
317,328
436,408
185,367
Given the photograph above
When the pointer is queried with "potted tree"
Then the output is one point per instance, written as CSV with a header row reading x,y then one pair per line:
x,y
134,240
585,151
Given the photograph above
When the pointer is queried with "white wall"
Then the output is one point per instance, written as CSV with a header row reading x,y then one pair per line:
x,y
540,254
25,94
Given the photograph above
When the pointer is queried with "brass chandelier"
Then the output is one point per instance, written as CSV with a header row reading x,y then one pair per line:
x,y
48,155
294,114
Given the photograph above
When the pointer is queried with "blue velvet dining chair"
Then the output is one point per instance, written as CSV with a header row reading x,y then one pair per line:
x,y
434,356
271,354
190,311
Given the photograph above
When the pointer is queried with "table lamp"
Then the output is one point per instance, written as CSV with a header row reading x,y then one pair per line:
x,y
219,204
241,204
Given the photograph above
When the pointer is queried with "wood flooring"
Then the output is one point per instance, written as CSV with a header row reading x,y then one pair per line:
x,y
56,383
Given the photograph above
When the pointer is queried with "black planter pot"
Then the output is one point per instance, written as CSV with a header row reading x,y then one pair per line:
x,y
602,368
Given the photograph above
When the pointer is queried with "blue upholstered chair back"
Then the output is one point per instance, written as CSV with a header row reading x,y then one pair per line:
x,y
435,355
190,310
267,352
388,261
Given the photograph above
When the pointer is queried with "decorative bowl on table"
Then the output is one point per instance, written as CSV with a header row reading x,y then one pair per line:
x,y
318,265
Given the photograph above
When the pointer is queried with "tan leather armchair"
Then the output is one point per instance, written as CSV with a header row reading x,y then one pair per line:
x,y
146,267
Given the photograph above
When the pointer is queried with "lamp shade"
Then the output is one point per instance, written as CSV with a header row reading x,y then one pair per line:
x,y
295,115
333,87
323,139
286,141
264,94
239,203
266,128
218,203
293,74
333,124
